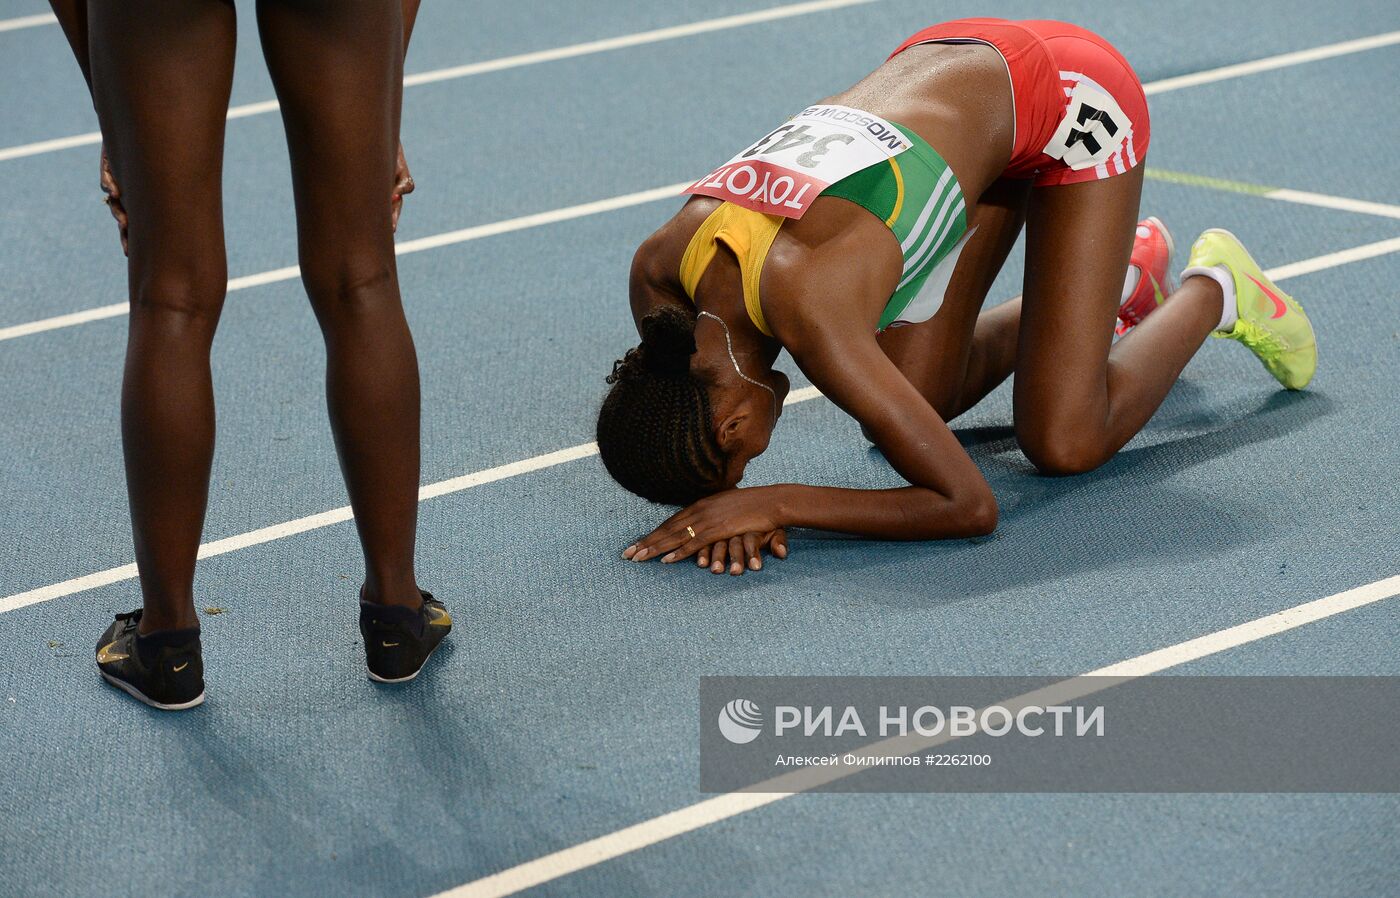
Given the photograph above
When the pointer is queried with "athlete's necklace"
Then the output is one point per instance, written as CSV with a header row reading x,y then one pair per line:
x,y
729,344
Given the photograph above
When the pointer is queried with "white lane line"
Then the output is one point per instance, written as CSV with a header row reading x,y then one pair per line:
x,y
45,18
1332,260
1283,60
1268,63
630,40
334,516
327,518
93,138
292,272
553,216
116,310
722,807
1304,198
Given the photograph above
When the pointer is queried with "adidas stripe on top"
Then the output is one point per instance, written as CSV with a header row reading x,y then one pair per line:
x,y
917,196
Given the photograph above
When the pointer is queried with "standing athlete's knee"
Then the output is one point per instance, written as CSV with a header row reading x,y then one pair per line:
x,y
179,295
350,286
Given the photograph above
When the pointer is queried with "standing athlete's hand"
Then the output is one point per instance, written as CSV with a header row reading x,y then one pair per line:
x,y
113,197
403,185
735,525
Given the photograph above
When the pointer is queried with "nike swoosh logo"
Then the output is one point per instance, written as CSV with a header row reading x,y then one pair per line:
x,y
1157,292
389,645
105,655
181,667
1280,307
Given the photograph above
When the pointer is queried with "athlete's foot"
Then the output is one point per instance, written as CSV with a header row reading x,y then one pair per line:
x,y
1149,280
399,639
164,669
1256,312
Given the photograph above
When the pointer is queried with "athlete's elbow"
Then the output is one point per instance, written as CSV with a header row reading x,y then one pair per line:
x,y
979,514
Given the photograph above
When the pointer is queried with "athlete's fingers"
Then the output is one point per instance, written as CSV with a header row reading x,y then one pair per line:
x,y
403,179
663,540
753,551
105,178
113,192
718,554
680,529
403,185
736,555
686,549
777,543
670,544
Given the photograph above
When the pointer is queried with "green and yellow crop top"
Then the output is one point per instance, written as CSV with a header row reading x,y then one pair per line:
x,y
914,193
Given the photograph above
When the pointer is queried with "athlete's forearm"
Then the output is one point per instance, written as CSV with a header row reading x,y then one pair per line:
x,y
905,513
72,18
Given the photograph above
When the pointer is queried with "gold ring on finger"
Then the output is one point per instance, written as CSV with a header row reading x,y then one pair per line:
x,y
691,530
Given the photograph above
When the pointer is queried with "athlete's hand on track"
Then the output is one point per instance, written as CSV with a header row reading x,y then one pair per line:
x,y
403,185
734,526
743,552
114,195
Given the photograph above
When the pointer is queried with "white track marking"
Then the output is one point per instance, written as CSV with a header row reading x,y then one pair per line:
x,y
1328,51
44,18
1269,63
292,272
325,519
722,807
630,40
328,518
116,310
1304,198
53,145
553,216
1332,260
93,138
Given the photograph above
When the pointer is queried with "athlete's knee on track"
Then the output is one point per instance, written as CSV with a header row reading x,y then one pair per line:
x,y
1060,449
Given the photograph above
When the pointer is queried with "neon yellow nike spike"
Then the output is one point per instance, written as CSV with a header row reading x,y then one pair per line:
x,y
1271,323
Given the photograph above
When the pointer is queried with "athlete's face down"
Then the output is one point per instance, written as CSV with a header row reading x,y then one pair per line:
x,y
746,415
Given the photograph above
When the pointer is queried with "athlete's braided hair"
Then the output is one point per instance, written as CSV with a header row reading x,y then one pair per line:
x,y
654,431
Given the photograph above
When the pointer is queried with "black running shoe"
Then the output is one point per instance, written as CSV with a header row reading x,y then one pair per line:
x,y
165,669
399,640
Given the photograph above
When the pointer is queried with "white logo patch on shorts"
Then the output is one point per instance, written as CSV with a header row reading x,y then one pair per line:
x,y
785,171
1093,129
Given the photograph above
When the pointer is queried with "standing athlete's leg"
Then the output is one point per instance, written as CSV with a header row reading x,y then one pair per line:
x,y
338,70
161,74
1079,396
961,354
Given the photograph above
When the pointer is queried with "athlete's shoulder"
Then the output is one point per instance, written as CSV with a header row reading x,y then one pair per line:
x,y
836,261
819,282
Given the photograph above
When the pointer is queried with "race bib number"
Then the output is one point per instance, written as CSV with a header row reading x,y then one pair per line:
x,y
785,171
1093,129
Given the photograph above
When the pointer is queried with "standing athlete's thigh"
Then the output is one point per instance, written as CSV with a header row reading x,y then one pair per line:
x,y
933,354
161,75
1078,240
338,70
